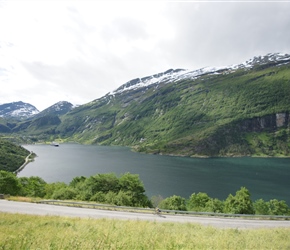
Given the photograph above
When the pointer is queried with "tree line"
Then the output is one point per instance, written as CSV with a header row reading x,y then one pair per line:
x,y
240,203
128,190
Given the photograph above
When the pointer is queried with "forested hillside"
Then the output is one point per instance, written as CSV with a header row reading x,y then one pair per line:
x,y
231,111
12,156
240,112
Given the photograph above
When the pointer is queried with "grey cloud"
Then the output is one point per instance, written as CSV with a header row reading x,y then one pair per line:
x,y
203,34
225,33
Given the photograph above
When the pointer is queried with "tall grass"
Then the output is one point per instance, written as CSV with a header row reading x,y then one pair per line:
x,y
52,232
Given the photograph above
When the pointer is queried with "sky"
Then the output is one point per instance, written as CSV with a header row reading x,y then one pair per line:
x,y
79,51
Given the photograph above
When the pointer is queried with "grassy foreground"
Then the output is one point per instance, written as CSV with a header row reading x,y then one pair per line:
x,y
53,232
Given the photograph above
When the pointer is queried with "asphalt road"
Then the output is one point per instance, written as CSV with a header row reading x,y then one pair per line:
x,y
44,209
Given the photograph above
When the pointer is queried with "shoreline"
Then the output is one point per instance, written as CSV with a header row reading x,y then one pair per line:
x,y
27,160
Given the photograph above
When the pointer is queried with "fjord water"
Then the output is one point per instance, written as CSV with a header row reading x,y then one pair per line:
x,y
266,178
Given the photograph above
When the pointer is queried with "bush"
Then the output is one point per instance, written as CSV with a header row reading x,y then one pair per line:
x,y
9,183
33,186
99,197
198,202
241,203
50,188
66,193
261,207
278,207
173,203
214,206
123,199
272,207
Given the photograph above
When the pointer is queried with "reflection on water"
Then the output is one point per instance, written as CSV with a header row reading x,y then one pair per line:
x,y
266,178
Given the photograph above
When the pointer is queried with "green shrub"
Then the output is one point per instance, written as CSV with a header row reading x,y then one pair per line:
x,y
66,193
173,203
241,203
9,183
197,202
33,186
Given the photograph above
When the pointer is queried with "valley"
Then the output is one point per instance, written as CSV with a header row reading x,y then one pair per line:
x,y
239,110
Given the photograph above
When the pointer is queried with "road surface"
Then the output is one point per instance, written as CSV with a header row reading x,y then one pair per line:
x,y
25,163
44,209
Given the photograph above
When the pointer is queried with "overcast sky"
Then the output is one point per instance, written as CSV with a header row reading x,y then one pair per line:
x,y
78,51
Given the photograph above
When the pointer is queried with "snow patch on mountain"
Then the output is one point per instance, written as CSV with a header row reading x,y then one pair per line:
x,y
61,105
17,110
59,108
166,77
260,60
181,74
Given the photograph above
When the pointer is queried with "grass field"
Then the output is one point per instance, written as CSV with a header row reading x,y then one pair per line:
x,y
52,232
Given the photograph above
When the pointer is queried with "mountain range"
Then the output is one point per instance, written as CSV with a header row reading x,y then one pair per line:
x,y
241,109
19,110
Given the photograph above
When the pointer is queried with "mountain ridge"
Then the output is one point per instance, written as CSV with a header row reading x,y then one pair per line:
x,y
18,109
179,74
213,111
32,118
59,108
185,116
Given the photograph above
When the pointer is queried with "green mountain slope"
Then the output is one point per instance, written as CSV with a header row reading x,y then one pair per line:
x,y
12,156
241,112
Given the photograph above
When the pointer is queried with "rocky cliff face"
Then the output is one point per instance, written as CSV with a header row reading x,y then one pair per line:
x,y
266,135
269,122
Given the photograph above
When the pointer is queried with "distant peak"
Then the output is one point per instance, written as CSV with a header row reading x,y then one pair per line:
x,y
167,75
18,109
59,108
260,60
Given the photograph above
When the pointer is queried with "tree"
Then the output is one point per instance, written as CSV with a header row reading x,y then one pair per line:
x,y
32,186
76,181
241,203
197,202
88,187
131,182
99,197
173,203
102,183
123,199
278,207
50,188
128,189
9,183
214,205
272,207
110,197
261,207
134,187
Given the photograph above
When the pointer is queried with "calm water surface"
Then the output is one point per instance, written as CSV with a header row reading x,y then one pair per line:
x,y
267,178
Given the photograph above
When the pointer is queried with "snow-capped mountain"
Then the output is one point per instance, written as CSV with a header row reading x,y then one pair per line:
x,y
19,110
278,58
212,111
180,74
59,108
